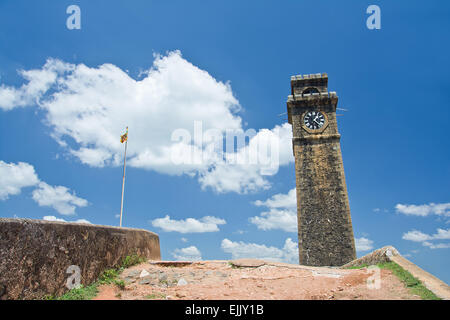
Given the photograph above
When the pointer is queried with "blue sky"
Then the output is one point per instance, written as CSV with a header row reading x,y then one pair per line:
x,y
66,96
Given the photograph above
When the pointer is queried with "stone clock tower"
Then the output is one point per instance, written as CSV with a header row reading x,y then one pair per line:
x,y
325,233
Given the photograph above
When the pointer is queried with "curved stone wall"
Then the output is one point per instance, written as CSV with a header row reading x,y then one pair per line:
x,y
35,255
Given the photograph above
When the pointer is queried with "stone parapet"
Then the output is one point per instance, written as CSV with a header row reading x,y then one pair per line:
x,y
35,255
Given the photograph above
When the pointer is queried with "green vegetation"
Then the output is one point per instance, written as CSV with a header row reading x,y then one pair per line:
x,y
82,293
155,296
413,284
109,276
132,260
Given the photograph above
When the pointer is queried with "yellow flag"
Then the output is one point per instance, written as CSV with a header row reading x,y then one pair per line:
x,y
124,137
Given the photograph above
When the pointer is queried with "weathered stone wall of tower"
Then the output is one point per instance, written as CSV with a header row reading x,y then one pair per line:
x,y
325,232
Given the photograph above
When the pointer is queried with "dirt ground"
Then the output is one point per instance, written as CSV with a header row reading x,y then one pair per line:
x,y
253,279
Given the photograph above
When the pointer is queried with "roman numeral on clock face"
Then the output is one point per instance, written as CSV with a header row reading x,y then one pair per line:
x,y
314,120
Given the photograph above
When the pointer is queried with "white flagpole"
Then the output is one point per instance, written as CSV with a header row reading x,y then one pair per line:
x,y
123,180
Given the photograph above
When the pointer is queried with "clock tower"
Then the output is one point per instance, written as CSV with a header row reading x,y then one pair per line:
x,y
325,233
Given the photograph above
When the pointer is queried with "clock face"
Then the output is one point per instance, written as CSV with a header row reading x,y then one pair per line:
x,y
314,120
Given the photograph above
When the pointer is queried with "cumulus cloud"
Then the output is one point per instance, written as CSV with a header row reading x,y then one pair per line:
x,y
39,82
418,236
90,106
245,170
441,209
285,220
282,212
436,245
53,218
239,250
363,244
280,200
187,254
14,177
190,225
57,197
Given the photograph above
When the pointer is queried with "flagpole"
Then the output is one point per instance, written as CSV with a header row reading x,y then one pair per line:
x,y
123,180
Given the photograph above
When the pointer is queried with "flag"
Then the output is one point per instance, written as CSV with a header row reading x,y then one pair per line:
x,y
124,137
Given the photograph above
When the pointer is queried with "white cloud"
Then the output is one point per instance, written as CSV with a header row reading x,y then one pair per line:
x,y
187,254
238,174
418,236
14,177
282,212
190,225
442,209
39,82
184,239
58,197
285,220
437,245
281,200
53,218
239,250
363,244
91,106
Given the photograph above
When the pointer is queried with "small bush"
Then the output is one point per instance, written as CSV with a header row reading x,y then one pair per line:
x,y
132,260
109,276
82,293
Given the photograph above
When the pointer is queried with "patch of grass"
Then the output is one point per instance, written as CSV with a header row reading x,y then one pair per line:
x,y
154,296
415,285
132,260
82,293
109,276
120,284
166,282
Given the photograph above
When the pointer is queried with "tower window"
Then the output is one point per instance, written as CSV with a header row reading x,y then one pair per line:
x,y
310,90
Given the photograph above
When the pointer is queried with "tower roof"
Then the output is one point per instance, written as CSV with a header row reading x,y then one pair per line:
x,y
317,82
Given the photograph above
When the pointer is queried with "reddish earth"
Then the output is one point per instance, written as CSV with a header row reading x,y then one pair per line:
x,y
252,279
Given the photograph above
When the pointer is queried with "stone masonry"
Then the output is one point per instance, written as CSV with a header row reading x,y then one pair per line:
x,y
325,232
35,255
